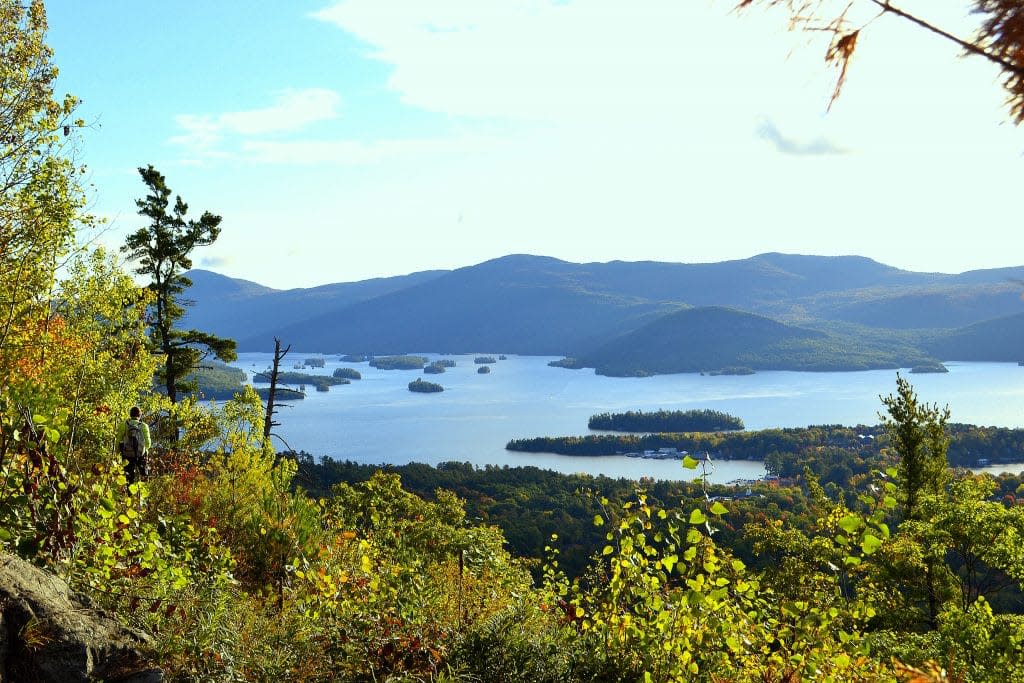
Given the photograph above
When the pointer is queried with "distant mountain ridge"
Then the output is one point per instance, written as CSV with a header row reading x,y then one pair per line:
x,y
539,305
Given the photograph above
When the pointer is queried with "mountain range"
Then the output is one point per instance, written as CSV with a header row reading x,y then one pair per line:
x,y
771,311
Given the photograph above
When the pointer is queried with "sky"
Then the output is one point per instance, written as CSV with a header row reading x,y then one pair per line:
x,y
347,140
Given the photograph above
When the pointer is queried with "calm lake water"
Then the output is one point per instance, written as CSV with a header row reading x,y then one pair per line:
x,y
378,420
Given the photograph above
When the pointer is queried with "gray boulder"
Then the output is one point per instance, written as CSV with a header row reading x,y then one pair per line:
x,y
49,634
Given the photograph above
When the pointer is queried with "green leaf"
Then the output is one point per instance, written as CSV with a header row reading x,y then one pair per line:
x,y
870,544
697,517
850,523
690,463
669,562
598,520
718,509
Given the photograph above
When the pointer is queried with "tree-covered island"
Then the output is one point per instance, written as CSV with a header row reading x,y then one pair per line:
x,y
423,387
398,362
929,368
666,421
301,378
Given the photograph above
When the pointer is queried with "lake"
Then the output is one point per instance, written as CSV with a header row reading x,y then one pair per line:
x,y
378,420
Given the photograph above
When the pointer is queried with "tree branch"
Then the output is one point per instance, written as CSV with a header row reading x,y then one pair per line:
x,y
967,46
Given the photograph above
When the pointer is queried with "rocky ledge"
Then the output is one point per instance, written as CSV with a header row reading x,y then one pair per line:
x,y
50,634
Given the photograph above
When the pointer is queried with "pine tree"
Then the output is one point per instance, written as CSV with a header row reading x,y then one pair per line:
x,y
162,250
917,433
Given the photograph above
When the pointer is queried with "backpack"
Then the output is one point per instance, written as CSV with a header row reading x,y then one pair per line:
x,y
131,445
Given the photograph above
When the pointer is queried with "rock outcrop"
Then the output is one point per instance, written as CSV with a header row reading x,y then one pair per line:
x,y
49,634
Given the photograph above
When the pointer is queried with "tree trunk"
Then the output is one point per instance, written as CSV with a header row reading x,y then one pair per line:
x,y
268,421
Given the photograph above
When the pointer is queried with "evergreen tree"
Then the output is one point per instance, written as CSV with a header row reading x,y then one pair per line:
x,y
917,433
163,250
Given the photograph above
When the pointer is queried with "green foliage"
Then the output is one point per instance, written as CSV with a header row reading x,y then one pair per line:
x,y
666,421
917,435
481,360
665,603
347,373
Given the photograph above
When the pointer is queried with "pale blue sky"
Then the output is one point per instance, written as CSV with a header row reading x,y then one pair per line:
x,y
354,139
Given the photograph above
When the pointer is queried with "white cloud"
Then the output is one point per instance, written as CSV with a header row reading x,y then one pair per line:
x,y
293,110
543,60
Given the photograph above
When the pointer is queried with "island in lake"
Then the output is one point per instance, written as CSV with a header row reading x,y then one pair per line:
x,y
929,368
423,387
666,421
399,362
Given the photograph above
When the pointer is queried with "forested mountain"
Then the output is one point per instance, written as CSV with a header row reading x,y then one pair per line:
x,y
717,339
239,308
522,305
1001,339
866,314
697,339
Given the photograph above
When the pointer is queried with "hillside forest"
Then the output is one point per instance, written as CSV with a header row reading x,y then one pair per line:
x,y
245,564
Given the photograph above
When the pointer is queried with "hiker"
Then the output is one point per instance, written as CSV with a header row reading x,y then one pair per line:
x,y
133,442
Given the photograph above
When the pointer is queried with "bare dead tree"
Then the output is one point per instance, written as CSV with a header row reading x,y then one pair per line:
x,y
268,422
